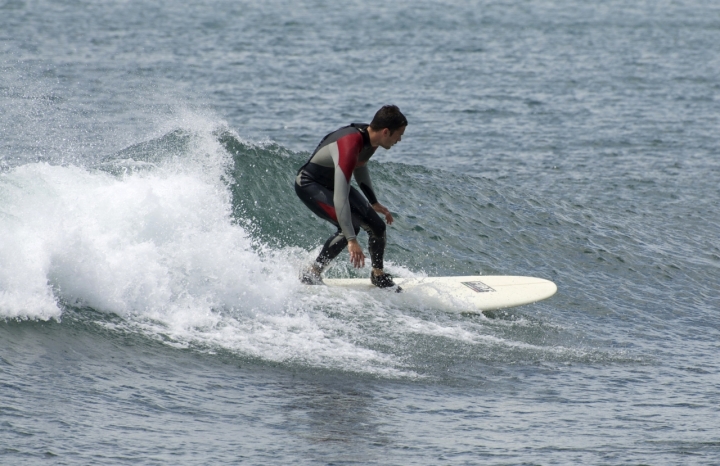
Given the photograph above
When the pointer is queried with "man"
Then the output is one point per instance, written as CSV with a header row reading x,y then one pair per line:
x,y
323,184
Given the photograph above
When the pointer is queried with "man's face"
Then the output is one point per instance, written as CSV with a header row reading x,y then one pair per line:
x,y
389,140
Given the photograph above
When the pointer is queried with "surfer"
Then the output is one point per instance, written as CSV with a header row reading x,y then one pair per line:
x,y
323,184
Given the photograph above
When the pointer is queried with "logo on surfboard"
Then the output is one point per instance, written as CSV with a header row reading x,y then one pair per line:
x,y
480,287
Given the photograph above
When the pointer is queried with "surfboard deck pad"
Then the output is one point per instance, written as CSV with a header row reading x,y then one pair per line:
x,y
485,292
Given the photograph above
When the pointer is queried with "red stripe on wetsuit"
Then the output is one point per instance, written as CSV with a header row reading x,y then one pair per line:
x,y
349,148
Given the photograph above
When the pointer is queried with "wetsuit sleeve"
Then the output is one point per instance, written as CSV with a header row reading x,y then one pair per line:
x,y
362,176
345,153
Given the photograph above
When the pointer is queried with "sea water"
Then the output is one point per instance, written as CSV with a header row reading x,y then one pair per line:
x,y
150,237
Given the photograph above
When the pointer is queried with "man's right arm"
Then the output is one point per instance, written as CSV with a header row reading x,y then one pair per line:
x,y
344,153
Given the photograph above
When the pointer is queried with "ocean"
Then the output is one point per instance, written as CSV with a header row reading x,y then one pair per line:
x,y
151,239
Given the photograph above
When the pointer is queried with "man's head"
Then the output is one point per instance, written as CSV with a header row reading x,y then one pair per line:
x,y
389,123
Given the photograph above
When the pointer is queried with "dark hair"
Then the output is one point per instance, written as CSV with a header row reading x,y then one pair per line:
x,y
389,117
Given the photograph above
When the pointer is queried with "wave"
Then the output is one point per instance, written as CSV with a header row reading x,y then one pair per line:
x,y
195,237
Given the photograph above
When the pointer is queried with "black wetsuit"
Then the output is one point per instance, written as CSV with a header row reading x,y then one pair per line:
x,y
323,184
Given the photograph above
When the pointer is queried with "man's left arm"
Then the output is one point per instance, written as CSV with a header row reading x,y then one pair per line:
x,y
362,176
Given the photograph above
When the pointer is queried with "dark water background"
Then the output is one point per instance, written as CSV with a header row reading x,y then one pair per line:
x,y
150,237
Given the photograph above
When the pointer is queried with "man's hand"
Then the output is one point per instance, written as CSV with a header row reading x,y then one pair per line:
x,y
357,258
381,209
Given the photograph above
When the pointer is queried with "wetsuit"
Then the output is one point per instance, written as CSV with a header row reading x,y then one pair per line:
x,y
323,184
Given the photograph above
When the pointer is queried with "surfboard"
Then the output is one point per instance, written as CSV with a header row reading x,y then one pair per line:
x,y
482,292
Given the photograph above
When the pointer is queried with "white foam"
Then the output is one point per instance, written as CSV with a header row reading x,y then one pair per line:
x,y
160,249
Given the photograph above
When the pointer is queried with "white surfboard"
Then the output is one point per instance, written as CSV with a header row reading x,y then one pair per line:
x,y
484,292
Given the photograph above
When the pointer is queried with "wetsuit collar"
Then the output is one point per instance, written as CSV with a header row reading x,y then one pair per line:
x,y
362,127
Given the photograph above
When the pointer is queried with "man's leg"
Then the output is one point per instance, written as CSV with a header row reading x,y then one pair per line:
x,y
331,249
363,216
366,218
319,200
